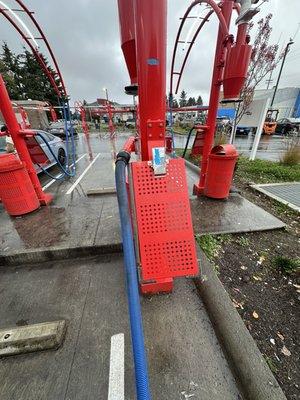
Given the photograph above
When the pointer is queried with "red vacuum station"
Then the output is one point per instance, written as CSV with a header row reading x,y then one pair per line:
x,y
157,183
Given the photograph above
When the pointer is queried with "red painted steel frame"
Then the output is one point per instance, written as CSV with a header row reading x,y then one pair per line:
x,y
223,26
219,63
53,114
35,52
237,7
30,15
151,39
19,142
111,126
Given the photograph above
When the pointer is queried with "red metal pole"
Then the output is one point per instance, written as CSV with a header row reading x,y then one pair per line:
x,y
150,36
19,142
219,63
111,126
83,121
53,114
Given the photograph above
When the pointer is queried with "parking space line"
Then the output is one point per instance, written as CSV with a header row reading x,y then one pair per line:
x,y
82,175
116,389
60,175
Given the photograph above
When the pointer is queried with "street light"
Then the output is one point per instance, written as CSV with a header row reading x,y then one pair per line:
x,y
287,48
106,92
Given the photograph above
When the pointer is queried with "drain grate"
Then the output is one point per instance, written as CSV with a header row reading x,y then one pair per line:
x,y
286,193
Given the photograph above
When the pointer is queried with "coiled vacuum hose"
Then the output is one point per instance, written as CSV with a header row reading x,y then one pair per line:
x,y
137,336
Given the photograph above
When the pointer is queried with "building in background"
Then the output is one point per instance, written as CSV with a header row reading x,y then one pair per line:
x,y
35,110
287,101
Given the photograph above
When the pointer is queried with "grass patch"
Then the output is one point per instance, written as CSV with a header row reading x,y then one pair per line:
x,y
272,364
243,241
210,245
188,156
263,171
287,265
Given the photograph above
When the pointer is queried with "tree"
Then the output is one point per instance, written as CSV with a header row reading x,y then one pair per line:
x,y
199,101
24,77
191,101
264,59
182,100
36,84
10,70
175,103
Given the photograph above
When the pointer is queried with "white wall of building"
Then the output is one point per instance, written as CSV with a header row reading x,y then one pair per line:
x,y
285,99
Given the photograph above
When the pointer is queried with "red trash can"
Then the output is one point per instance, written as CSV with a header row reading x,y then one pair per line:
x,y
221,164
16,190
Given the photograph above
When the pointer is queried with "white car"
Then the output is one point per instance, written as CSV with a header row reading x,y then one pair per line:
x,y
56,144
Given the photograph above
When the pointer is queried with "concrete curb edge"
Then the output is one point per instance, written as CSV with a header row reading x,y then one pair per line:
x,y
57,253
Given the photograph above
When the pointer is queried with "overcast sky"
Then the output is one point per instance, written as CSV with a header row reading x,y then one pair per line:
x,y
84,35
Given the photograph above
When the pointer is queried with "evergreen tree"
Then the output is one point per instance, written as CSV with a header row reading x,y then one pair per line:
x,y
182,100
199,101
36,84
175,103
25,78
191,101
10,70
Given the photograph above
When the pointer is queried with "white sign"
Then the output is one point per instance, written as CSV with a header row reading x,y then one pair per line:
x,y
252,117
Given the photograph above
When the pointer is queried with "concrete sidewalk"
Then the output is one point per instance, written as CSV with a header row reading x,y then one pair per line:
x,y
185,357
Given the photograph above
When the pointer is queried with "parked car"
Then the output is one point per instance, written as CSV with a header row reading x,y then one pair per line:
x,y
58,128
288,125
243,130
57,145
130,123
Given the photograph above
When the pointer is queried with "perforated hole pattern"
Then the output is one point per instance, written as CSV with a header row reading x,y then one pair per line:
x,y
171,183
163,217
167,247
169,259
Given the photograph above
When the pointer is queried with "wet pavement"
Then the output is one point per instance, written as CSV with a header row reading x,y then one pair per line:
x,y
76,220
270,147
185,357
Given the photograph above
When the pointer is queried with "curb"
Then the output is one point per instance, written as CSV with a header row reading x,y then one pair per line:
x,y
58,253
246,361
192,166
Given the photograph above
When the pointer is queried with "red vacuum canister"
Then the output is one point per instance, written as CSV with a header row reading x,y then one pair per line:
x,y
16,190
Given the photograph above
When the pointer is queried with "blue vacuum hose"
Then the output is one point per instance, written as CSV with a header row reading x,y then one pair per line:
x,y
136,325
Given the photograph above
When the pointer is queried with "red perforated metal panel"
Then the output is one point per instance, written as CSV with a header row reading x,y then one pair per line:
x,y
165,232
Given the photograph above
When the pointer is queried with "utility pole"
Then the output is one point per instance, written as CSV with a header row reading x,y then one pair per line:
x,y
287,48
270,80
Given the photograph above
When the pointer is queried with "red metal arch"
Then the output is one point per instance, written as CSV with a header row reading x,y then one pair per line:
x,y
215,8
21,4
60,91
